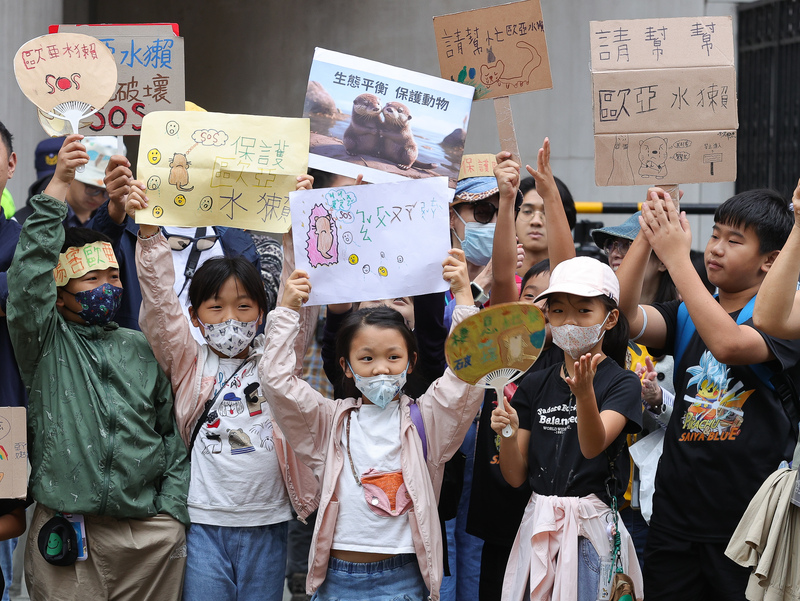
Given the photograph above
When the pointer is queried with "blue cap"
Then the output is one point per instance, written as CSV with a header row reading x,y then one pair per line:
x,y
627,230
46,156
473,189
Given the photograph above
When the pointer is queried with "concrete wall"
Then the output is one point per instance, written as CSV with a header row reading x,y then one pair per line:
x,y
253,56
21,20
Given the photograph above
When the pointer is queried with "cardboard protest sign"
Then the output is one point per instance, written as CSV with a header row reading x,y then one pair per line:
x,y
384,122
150,77
206,169
477,165
13,453
499,50
67,76
362,243
664,94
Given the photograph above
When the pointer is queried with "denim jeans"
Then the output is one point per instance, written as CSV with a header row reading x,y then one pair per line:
x,y
463,550
6,551
588,570
237,564
395,579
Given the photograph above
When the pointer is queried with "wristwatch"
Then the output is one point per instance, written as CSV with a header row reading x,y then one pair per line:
x,y
478,294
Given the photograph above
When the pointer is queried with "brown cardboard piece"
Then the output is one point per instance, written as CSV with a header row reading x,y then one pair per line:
x,y
150,77
499,50
477,165
664,101
13,453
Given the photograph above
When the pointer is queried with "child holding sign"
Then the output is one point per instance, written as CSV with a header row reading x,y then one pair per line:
x,y
244,478
103,441
377,453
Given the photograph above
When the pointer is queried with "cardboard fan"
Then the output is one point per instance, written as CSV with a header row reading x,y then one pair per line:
x,y
496,346
68,76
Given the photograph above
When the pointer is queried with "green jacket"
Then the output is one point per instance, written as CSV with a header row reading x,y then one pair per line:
x,y
102,438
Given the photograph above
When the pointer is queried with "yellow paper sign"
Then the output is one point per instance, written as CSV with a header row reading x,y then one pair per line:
x,y
68,75
206,169
77,261
510,335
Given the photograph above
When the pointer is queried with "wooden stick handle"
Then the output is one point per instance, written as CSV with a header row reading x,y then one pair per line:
x,y
505,127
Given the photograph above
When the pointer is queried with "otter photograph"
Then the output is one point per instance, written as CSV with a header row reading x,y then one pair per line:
x,y
384,122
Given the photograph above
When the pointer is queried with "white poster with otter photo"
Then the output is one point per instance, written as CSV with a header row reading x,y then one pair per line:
x,y
664,101
361,243
383,122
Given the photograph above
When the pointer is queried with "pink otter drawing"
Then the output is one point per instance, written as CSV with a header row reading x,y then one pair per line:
x,y
322,247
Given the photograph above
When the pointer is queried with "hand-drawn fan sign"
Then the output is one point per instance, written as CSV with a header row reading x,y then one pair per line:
x,y
68,76
496,346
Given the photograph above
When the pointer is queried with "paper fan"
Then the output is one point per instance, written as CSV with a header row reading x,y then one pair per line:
x,y
68,76
496,346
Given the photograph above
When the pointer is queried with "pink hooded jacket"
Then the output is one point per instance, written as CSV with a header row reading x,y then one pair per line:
x,y
313,426
184,360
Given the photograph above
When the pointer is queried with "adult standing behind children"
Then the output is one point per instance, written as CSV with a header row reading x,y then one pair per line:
x,y
728,430
102,439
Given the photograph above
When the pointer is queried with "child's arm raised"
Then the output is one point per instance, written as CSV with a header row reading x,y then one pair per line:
x,y
504,245
777,310
454,271
513,449
560,245
670,237
31,305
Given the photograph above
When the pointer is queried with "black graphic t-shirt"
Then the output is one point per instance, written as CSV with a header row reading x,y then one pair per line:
x,y
545,406
727,433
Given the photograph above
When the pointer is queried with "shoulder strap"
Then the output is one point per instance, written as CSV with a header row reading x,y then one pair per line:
x,y
416,418
209,404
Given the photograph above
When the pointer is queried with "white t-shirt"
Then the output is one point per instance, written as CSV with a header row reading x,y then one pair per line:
x,y
179,260
236,479
374,443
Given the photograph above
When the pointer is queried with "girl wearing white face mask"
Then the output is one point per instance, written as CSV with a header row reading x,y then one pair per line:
x,y
569,423
245,479
379,455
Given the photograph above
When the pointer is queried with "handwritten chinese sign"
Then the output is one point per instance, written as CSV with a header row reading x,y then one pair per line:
x,y
216,169
500,50
664,101
362,243
386,123
77,261
66,75
502,336
477,165
150,77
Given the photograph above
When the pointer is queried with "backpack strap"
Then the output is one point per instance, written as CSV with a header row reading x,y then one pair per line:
x,y
416,418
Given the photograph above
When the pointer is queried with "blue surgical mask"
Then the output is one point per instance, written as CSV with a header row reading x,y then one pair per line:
x,y
380,389
100,304
477,242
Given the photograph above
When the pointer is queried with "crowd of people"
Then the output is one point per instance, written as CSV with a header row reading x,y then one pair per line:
x,y
183,445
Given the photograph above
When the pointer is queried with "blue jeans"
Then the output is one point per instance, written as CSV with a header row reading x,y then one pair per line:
x,y
588,570
235,564
463,550
6,550
395,579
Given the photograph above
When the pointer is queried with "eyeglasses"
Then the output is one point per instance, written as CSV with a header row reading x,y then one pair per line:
x,y
182,242
94,190
483,211
526,213
619,245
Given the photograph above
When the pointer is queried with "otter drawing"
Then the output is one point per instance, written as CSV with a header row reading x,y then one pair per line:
x,y
653,157
397,141
363,136
324,236
493,74
179,172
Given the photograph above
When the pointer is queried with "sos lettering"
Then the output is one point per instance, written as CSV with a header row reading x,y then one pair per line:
x,y
116,117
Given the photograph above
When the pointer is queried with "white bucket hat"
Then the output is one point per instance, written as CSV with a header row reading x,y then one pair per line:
x,y
583,276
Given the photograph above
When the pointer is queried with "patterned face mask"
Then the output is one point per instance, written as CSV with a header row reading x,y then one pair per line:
x,y
577,340
99,305
230,337
380,389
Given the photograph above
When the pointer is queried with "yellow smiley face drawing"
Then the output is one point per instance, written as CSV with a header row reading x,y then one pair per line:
x,y
382,271
154,156
157,211
352,259
180,200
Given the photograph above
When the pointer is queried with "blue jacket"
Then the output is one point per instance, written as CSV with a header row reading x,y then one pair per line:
x,y
12,391
234,243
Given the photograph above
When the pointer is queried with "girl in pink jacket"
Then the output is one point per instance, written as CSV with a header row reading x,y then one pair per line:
x,y
378,454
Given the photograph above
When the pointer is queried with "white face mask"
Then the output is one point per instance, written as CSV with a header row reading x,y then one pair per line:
x,y
380,389
230,337
577,340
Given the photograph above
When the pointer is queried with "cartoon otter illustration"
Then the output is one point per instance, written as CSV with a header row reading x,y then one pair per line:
x,y
653,157
324,236
240,442
179,172
363,136
397,141
493,73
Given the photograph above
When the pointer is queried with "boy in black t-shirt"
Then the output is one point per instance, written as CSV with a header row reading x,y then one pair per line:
x,y
728,430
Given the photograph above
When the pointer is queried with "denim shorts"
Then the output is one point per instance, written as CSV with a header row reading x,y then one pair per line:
x,y
395,579
588,570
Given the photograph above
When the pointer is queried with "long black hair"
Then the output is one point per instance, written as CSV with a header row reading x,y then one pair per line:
x,y
381,317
